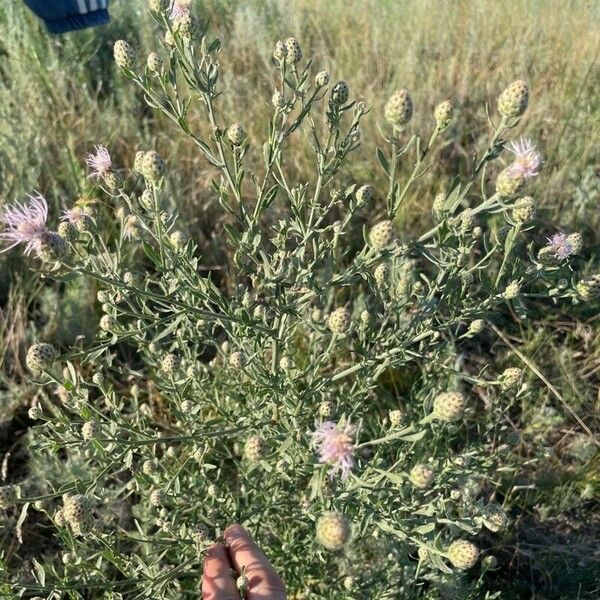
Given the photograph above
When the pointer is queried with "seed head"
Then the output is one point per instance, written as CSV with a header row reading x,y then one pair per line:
x,y
399,108
124,55
149,467
170,364
463,554
513,101
340,320
293,51
443,114
449,406
40,357
255,448
333,531
422,476
178,239
52,247
322,78
382,235
340,93
236,134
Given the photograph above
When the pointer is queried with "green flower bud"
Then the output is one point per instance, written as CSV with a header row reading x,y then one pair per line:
x,y
382,235
449,406
124,55
236,134
509,182
340,93
333,531
40,357
399,108
443,114
340,320
513,101
422,476
255,448
463,554
293,51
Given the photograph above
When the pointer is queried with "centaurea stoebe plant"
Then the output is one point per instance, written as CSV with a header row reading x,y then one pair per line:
x,y
274,399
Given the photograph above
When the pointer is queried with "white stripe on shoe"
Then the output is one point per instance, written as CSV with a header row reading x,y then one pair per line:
x,y
93,5
82,7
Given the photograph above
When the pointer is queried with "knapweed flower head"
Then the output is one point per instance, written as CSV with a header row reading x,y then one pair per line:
x,y
560,246
25,224
334,443
527,159
99,161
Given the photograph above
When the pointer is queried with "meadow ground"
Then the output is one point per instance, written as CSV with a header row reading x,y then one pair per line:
x,y
60,96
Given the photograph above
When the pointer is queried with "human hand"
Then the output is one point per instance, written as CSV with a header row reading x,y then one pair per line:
x,y
240,552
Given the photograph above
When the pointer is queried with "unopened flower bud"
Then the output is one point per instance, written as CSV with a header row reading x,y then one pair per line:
x,y
293,50
449,406
321,78
513,101
90,430
510,377
170,364
509,182
333,531
124,55
154,62
396,417
340,93
254,448
463,554
238,360
40,357
494,518
443,114
512,290
236,134
382,235
152,166
422,476
339,320
280,51
364,194
399,108
524,210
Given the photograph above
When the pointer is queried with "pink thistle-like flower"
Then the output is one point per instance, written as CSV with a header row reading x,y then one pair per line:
x,y
179,9
25,223
335,445
527,159
100,161
560,246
